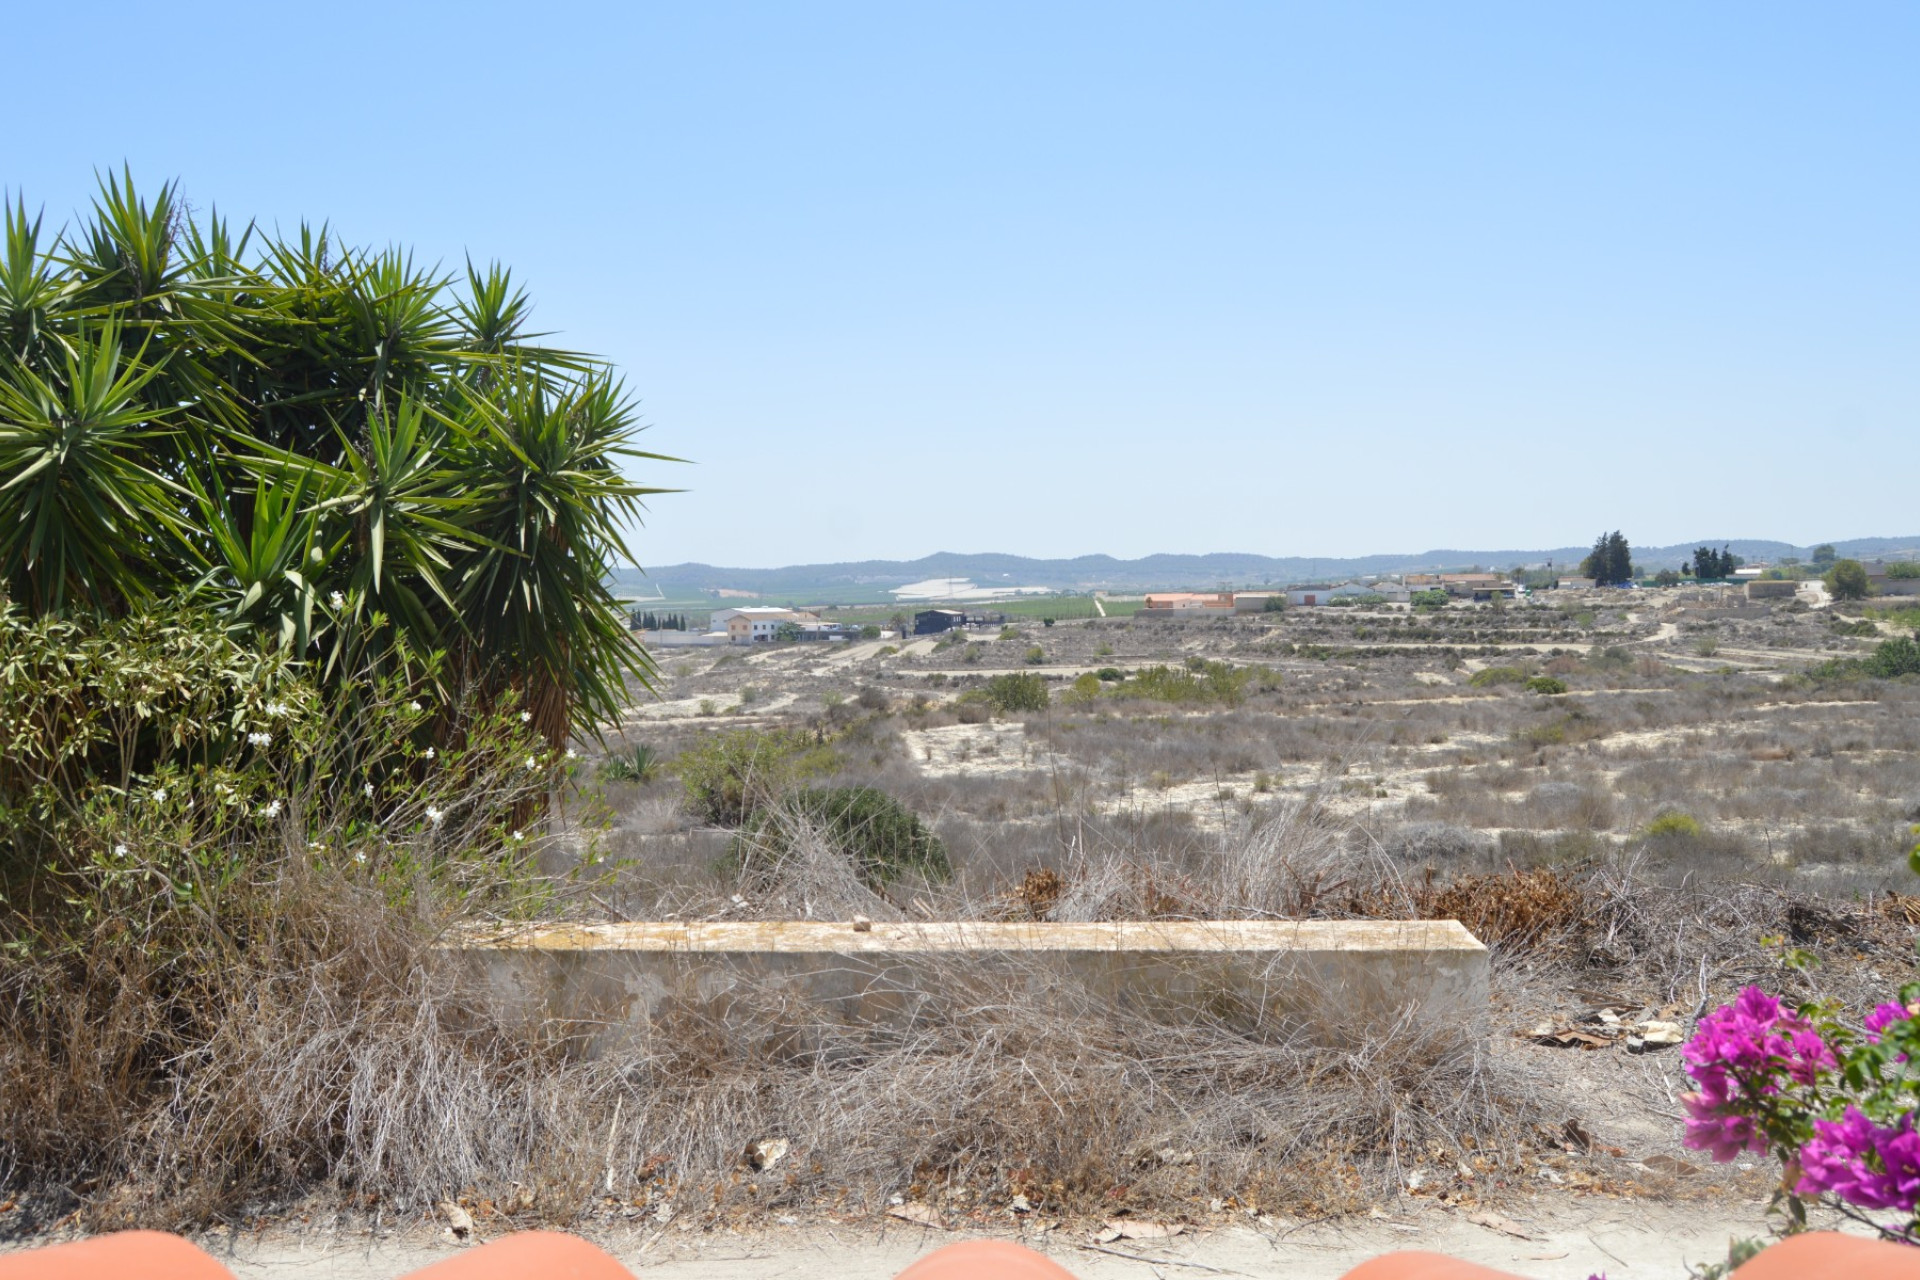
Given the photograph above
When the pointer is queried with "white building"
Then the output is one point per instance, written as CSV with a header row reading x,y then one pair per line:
x,y
759,624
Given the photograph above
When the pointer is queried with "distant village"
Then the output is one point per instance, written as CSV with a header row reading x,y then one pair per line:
x,y
769,624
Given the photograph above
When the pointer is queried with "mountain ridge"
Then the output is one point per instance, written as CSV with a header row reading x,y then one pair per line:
x,y
1171,571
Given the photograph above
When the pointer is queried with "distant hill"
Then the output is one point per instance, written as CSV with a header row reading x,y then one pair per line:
x,y
870,579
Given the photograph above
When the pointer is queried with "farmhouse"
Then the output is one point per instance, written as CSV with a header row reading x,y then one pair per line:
x,y
1893,579
762,624
1477,586
1190,603
931,622
1316,593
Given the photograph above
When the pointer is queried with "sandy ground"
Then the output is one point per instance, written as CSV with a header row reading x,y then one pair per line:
x,y
1571,1238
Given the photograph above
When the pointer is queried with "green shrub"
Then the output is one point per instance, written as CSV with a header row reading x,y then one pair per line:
x,y
1035,656
1546,685
729,775
1903,570
1202,681
882,837
1543,735
1848,580
1111,675
1085,689
1009,694
1890,660
1894,658
1612,658
1429,600
1673,823
640,763
869,632
1491,676
1009,632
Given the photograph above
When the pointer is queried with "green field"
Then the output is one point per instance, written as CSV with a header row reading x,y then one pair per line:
x,y
698,608
1060,608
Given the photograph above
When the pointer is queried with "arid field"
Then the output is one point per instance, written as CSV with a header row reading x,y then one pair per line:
x,y
1639,799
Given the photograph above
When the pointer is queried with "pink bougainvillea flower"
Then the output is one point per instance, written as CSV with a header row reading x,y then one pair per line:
x,y
1722,1134
1870,1165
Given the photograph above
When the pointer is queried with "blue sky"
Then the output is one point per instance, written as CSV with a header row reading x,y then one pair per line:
x,y
1054,279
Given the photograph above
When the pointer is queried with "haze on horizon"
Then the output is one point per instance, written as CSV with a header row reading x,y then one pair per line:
x,y
1120,279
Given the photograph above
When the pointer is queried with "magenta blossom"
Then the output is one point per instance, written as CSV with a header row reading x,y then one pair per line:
x,y
1740,1054
1873,1166
1725,1136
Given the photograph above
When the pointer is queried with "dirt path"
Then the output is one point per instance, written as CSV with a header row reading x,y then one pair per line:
x,y
1548,1238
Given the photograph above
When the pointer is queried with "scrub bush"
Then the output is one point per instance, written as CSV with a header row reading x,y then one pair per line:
x,y
729,775
882,838
1009,694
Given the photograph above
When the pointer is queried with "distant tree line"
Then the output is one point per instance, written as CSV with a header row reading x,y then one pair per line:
x,y
1610,563
1708,563
650,621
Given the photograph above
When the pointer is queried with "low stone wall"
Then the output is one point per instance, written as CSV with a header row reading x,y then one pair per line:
x,y
1335,981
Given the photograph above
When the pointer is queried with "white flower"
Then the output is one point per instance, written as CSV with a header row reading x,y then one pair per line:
x,y
361,857
277,708
259,739
368,788
525,716
337,600
434,815
272,810
430,753
414,705
518,837
119,851
532,763
159,795
572,754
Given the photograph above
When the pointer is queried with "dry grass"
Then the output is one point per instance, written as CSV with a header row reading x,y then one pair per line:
x,y
309,1036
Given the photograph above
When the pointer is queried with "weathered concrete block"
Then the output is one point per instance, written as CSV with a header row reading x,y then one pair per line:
x,y
1335,981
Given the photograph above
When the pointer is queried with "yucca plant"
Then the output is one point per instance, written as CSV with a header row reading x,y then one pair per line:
x,y
339,450
638,763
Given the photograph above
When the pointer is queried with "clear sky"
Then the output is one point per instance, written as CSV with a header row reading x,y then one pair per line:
x,y
1054,279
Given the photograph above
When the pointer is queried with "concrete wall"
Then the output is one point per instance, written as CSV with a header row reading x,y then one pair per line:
x,y
1336,981
1772,590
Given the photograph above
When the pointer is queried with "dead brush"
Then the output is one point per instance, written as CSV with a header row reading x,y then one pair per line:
x,y
1010,1077
1511,909
311,1036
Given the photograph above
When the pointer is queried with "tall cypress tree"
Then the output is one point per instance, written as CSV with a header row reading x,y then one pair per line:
x,y
1619,559
1595,565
